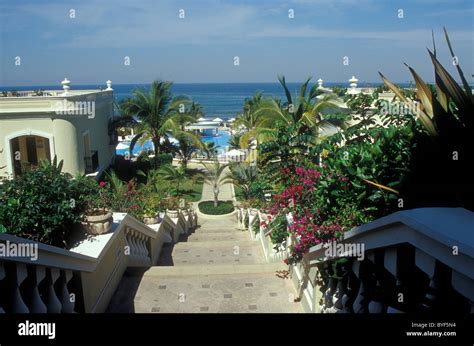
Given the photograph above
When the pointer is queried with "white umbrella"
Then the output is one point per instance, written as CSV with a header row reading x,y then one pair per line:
x,y
202,119
234,152
218,120
231,120
122,146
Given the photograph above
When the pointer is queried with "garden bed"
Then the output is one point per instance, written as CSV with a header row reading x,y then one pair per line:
x,y
223,207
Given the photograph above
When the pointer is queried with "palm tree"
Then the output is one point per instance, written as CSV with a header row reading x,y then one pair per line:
x,y
173,175
154,115
243,174
215,177
210,149
250,119
189,142
305,109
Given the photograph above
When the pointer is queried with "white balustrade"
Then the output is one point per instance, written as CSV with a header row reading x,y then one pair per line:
x,y
51,283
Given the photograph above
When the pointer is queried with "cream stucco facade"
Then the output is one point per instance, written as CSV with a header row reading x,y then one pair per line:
x,y
72,127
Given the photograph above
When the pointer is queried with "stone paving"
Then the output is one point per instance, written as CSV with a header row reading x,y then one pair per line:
x,y
217,268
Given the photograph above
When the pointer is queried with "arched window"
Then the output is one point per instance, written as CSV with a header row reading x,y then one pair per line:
x,y
27,152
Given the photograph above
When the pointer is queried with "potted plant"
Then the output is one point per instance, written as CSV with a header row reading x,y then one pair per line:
x,y
150,210
97,218
171,206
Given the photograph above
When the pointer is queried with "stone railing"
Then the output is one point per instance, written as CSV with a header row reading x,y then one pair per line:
x,y
251,220
84,278
410,261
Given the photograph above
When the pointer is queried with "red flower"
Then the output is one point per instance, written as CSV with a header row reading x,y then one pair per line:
x,y
134,207
102,184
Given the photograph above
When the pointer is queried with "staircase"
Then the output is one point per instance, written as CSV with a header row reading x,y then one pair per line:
x,y
217,268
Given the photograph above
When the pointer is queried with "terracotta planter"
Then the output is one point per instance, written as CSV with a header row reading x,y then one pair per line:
x,y
172,213
149,220
98,224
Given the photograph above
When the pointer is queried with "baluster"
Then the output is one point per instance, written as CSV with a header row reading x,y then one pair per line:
x,y
428,265
16,274
138,240
376,305
465,287
2,276
337,298
350,293
36,274
382,288
133,245
63,293
391,264
47,292
361,301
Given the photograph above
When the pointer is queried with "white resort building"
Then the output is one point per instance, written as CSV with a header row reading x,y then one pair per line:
x,y
71,125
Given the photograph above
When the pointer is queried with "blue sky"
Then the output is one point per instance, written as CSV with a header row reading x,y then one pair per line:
x,y
91,47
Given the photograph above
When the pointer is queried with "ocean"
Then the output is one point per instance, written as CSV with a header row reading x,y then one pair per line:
x,y
223,100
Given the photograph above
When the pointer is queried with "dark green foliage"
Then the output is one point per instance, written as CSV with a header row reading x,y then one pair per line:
x,y
223,207
42,205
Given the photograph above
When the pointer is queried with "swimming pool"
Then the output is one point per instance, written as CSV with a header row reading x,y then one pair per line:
x,y
137,149
221,140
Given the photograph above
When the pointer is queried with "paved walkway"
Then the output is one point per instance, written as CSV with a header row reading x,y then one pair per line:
x,y
226,191
217,268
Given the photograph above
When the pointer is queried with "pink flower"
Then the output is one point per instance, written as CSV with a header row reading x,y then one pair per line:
x,y
102,184
134,207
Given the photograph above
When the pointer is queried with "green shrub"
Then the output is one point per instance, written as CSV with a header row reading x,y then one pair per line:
x,y
42,205
162,159
223,207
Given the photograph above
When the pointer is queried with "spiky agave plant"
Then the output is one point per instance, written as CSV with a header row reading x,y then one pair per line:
x,y
445,149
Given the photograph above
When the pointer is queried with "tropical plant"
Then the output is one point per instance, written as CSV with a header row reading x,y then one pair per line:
x,y
215,177
243,174
173,175
154,115
289,148
189,142
305,109
234,141
42,204
250,121
210,149
339,90
441,174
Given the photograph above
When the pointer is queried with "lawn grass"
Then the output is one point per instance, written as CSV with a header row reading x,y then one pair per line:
x,y
223,207
239,194
191,190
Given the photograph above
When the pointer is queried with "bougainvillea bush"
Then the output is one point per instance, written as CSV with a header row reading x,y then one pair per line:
x,y
353,185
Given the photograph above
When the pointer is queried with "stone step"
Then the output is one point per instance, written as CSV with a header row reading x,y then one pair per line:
x,y
214,229
212,244
218,269
189,254
217,236
259,292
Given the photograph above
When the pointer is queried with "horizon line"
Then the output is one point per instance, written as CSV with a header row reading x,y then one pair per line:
x,y
178,83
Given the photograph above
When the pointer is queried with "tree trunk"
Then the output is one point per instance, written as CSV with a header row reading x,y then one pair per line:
x,y
216,196
156,145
